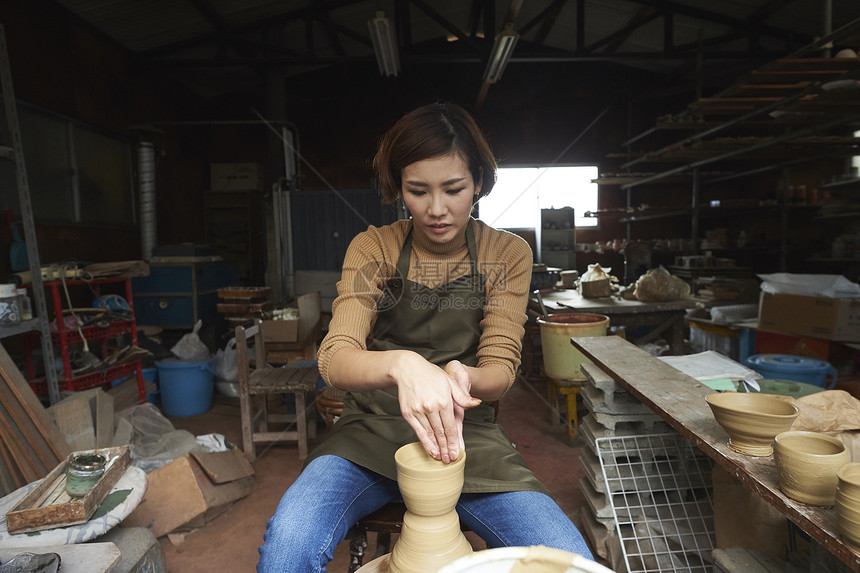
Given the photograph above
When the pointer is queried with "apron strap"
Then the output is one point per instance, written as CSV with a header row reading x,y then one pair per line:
x,y
404,260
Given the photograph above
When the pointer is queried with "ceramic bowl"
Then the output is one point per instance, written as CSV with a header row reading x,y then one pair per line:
x,y
807,463
848,504
428,486
752,420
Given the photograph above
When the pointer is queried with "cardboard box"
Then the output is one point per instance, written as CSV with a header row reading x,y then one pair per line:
x,y
281,330
236,176
181,492
814,316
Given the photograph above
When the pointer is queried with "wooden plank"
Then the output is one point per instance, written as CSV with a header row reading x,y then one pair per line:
x,y
75,557
104,420
222,467
9,480
75,421
29,429
22,457
680,400
21,389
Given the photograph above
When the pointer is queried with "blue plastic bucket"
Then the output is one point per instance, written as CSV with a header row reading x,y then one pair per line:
x,y
791,367
186,387
150,374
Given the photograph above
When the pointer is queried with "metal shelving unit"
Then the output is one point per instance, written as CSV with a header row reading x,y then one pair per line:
x,y
16,154
794,110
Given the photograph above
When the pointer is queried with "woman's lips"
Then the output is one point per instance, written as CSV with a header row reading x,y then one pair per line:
x,y
439,229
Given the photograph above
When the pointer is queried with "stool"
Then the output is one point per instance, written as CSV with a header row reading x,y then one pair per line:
x,y
329,401
569,389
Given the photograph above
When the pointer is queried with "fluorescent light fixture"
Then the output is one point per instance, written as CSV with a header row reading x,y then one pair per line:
x,y
384,45
503,48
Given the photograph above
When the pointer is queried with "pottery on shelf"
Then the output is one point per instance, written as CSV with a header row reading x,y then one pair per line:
x,y
848,504
431,535
752,420
807,463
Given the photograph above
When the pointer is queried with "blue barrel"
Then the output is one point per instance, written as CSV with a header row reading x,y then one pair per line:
x,y
791,367
186,387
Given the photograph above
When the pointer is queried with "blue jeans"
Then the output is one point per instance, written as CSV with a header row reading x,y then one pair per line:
x,y
332,493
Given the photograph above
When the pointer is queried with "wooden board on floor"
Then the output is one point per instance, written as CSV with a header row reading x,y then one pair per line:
x,y
680,400
222,467
74,558
75,420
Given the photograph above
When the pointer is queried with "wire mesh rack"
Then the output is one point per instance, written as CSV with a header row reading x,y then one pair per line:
x,y
659,488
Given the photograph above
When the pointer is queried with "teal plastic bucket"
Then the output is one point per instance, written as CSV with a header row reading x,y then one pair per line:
x,y
791,367
186,387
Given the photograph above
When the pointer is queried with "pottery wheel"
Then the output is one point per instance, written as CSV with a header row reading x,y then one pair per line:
x,y
378,565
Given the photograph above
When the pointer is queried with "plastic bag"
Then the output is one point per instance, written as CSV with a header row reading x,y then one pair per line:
x,y
659,285
154,442
226,367
190,348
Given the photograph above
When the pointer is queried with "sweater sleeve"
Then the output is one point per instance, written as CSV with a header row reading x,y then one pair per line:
x,y
366,267
508,279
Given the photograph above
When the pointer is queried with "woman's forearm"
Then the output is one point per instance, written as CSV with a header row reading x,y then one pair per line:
x,y
489,383
358,370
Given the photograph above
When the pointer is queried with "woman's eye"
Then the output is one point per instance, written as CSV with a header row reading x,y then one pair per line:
x,y
416,192
454,191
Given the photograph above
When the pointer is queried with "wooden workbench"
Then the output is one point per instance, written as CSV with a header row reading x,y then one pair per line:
x,y
664,318
680,400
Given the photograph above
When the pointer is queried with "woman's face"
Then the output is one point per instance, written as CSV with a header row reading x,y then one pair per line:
x,y
439,193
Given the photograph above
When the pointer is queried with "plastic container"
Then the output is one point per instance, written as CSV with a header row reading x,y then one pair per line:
x,y
560,359
24,306
785,388
186,387
9,313
791,367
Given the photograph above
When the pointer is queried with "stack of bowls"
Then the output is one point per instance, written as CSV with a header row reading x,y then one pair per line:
x,y
752,421
807,463
848,505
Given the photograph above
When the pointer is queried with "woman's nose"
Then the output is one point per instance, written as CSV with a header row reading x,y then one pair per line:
x,y
438,205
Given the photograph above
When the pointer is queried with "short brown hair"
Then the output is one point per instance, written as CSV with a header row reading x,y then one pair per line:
x,y
430,131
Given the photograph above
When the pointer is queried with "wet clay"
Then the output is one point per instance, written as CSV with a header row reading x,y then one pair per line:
x,y
431,535
807,463
848,505
752,420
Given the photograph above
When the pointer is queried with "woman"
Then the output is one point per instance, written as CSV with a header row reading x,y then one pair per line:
x,y
425,334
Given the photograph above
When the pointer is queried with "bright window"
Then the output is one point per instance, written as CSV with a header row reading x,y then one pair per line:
x,y
521,192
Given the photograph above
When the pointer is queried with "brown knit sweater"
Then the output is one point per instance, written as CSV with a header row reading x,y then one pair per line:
x,y
503,257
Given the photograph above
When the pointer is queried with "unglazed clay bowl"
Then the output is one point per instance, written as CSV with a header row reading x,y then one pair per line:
x,y
428,486
848,504
752,420
807,464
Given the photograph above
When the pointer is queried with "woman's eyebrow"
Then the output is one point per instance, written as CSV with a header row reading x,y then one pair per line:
x,y
423,184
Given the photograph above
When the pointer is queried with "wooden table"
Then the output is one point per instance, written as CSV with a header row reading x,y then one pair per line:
x,y
680,400
665,318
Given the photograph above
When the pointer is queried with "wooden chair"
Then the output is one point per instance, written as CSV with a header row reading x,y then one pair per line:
x,y
273,373
384,521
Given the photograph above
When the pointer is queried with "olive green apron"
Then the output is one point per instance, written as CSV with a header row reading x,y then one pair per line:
x,y
441,324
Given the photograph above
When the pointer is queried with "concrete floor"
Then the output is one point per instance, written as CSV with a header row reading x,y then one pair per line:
x,y
230,541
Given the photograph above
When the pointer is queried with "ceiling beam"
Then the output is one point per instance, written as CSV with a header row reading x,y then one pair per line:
x,y
546,18
446,24
615,40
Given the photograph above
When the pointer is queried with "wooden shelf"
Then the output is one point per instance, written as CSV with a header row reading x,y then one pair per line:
x,y
20,328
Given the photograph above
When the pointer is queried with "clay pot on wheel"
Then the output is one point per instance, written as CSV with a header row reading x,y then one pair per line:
x,y
430,488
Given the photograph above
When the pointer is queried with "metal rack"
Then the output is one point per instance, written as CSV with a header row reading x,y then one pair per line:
x,y
40,323
659,487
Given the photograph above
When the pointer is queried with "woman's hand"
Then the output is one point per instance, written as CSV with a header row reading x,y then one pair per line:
x,y
433,401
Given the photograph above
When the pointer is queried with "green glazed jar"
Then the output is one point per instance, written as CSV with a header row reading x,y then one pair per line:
x,y
83,473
